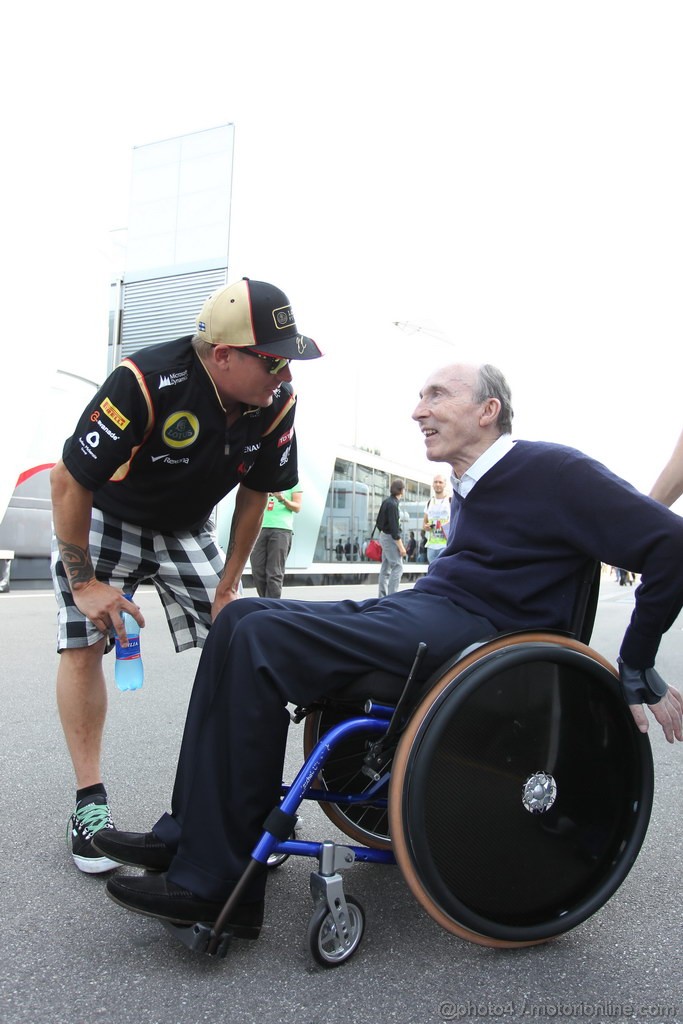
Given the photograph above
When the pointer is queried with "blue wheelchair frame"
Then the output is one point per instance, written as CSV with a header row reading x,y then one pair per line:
x,y
326,884
301,789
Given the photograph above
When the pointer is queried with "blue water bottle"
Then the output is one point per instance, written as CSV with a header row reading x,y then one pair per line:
x,y
129,672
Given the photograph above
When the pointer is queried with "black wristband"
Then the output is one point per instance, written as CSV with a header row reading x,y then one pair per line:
x,y
641,685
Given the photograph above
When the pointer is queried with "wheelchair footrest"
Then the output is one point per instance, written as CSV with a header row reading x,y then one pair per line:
x,y
200,938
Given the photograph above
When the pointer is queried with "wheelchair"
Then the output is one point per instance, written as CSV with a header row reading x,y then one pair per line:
x,y
512,789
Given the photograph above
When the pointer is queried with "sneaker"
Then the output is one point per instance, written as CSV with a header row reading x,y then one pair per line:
x,y
88,819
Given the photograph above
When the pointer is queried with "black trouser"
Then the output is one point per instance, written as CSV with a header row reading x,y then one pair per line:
x,y
260,655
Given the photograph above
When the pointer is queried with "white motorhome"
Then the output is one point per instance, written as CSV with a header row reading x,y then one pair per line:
x,y
25,528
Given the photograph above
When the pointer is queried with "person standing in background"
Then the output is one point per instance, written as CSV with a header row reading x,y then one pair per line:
x,y
393,551
437,518
275,541
669,484
411,548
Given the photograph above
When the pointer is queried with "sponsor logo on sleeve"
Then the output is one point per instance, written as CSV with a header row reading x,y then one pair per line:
x,y
88,443
284,458
95,418
285,438
105,430
181,429
114,414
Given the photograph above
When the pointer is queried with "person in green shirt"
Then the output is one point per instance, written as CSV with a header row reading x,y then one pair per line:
x,y
275,540
436,518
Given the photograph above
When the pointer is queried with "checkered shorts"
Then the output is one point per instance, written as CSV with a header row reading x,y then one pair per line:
x,y
184,567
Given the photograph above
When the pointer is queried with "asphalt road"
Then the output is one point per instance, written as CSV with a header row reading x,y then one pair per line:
x,y
70,955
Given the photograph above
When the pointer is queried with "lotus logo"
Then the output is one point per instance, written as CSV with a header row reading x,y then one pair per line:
x,y
180,429
283,317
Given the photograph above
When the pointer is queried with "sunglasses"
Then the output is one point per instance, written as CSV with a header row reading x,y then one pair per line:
x,y
273,363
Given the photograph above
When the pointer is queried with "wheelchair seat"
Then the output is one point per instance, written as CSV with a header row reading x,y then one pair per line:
x,y
378,687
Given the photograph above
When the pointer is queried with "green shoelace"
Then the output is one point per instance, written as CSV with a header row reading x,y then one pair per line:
x,y
93,817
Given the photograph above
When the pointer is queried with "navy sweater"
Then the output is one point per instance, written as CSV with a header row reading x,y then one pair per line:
x,y
525,530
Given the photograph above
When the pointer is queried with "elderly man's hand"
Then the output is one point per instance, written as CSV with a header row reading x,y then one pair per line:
x,y
668,712
646,686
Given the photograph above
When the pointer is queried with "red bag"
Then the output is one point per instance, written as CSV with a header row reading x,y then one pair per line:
x,y
373,552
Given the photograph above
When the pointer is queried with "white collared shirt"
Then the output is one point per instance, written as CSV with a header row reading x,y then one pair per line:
x,y
500,447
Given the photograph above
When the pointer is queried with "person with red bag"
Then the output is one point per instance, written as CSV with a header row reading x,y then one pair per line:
x,y
373,550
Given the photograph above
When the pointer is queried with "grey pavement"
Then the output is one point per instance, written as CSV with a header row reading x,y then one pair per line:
x,y
71,955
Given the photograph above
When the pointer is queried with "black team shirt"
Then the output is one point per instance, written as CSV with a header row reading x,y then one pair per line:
x,y
154,447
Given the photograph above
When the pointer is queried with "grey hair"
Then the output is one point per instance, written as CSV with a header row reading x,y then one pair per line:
x,y
492,384
201,346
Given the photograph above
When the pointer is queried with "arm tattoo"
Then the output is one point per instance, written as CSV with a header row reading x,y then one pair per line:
x,y
77,563
231,539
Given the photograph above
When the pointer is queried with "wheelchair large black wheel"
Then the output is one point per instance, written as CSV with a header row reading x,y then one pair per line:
x,y
342,773
521,791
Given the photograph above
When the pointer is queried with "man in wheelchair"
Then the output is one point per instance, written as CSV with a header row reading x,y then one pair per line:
x,y
527,517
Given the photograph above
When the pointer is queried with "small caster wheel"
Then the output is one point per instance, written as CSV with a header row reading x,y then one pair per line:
x,y
276,859
327,946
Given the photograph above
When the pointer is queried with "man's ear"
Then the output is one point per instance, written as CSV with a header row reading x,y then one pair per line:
x,y
490,412
222,355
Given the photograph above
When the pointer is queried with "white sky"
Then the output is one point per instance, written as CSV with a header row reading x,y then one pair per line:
x,y
506,174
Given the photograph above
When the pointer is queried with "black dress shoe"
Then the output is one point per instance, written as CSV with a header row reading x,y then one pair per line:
x,y
155,896
139,849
